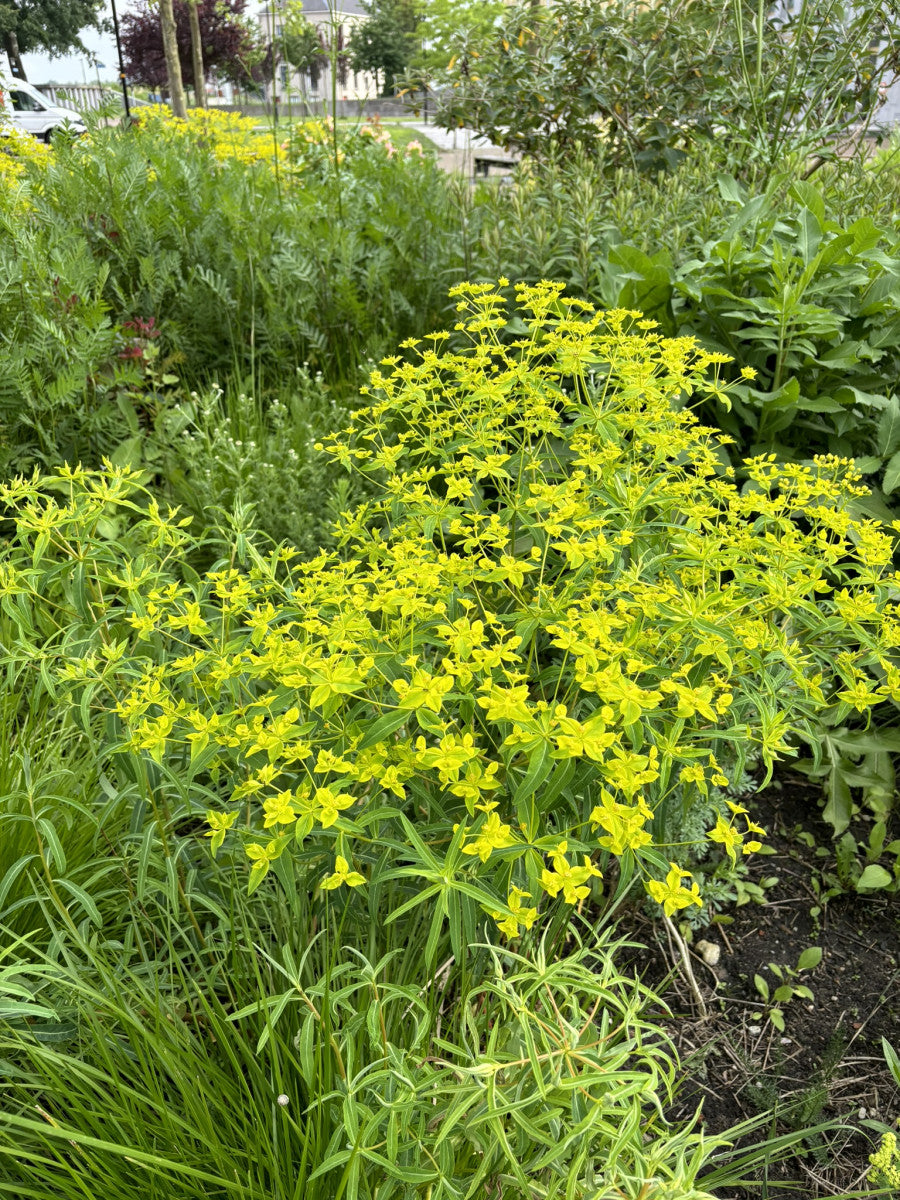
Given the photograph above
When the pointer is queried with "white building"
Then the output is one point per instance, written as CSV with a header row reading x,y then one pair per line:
x,y
333,22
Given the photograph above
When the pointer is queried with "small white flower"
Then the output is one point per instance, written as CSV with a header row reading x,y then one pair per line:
x,y
283,1100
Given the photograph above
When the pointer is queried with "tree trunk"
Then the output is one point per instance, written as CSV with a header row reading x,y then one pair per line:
x,y
173,66
11,45
197,55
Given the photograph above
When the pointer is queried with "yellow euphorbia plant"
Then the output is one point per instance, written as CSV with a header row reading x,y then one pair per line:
x,y
18,150
225,135
560,614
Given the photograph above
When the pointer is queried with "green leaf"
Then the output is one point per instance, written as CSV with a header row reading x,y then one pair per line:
x,y
419,898
786,396
761,986
257,875
811,957
57,854
434,936
888,438
876,840
384,727
557,783
83,899
306,1049
810,196
837,809
334,1160
891,475
866,234
424,853
819,404
868,464
274,1011
809,234
540,764
776,1016
6,883
429,721
646,282
408,1174
750,212
730,189
873,876
892,1059
129,452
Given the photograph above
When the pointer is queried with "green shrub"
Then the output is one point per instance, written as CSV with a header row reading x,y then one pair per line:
x,y
248,270
187,255
64,383
647,82
560,218
560,618
808,305
233,453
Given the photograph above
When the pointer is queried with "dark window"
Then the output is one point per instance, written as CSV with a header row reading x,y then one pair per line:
x,y
23,102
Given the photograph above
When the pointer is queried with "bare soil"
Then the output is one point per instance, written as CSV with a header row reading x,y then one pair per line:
x,y
827,1062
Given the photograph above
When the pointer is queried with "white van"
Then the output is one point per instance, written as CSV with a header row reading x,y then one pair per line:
x,y
24,107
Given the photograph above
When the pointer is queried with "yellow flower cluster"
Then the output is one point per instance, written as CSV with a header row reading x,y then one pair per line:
x,y
560,613
516,627
226,135
670,894
314,141
18,149
886,1164
316,132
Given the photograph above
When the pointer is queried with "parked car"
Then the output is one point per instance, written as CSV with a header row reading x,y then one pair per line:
x,y
24,107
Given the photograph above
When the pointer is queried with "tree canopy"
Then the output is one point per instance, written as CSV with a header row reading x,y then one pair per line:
x,y
229,43
451,28
301,43
51,25
644,81
384,43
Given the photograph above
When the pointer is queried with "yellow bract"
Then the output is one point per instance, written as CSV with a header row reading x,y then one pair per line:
x,y
519,914
570,880
493,835
671,895
342,874
625,824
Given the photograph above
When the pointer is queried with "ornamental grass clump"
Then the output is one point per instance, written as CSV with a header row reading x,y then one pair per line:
x,y
559,618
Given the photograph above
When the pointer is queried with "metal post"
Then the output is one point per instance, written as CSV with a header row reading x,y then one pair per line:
x,y
124,82
274,71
